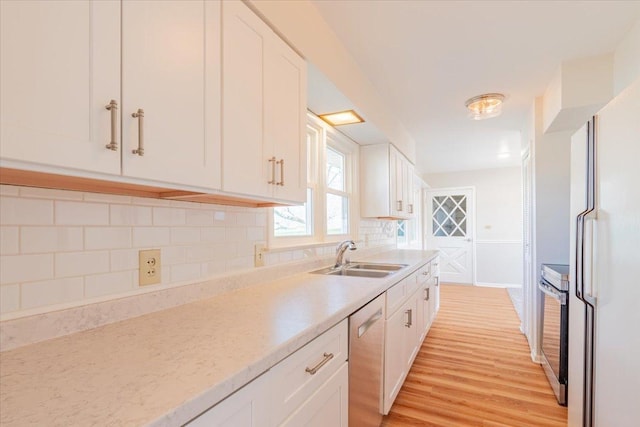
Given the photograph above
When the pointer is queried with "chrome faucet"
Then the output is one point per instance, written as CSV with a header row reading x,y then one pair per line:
x,y
340,250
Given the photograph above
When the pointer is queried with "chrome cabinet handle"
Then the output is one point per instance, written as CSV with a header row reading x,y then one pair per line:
x,y
140,116
113,108
426,291
437,280
281,163
399,206
327,357
272,162
409,320
411,208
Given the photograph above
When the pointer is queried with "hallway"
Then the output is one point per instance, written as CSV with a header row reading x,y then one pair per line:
x,y
474,369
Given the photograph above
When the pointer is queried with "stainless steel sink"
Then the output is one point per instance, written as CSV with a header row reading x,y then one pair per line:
x,y
375,266
362,269
359,273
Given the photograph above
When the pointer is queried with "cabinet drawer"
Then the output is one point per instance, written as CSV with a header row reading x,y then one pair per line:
x,y
295,384
395,296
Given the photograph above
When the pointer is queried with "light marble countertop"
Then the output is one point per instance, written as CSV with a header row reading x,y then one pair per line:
x,y
164,368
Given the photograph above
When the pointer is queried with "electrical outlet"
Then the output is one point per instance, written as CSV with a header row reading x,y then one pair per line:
x,y
258,257
149,267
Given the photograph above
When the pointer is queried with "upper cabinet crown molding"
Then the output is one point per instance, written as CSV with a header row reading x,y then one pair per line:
x,y
131,92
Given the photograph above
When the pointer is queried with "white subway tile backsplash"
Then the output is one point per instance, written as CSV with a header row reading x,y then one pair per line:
x,y
107,237
9,298
256,234
9,190
25,268
81,263
148,237
148,201
181,273
125,259
212,234
199,217
200,253
61,247
81,213
46,193
9,240
173,255
37,294
169,216
183,235
106,198
245,219
105,284
51,239
234,234
17,211
130,215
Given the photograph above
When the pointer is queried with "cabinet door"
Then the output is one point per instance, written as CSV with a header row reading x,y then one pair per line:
x,y
397,178
424,314
247,162
60,67
285,119
171,70
248,407
328,406
398,331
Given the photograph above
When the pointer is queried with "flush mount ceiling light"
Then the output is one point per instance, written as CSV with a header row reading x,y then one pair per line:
x,y
340,118
485,106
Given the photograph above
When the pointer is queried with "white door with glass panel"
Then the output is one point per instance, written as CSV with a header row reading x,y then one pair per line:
x,y
449,229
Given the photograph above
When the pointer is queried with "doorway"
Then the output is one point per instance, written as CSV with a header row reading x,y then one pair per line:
x,y
449,228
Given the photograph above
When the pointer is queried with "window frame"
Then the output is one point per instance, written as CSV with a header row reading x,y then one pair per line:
x,y
324,136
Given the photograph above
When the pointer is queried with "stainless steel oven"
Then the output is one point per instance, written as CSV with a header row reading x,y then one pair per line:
x,y
555,327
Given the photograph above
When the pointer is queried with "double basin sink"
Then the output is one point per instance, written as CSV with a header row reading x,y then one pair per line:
x,y
362,269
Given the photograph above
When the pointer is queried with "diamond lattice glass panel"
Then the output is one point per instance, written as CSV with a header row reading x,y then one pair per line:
x,y
449,216
337,214
294,220
335,170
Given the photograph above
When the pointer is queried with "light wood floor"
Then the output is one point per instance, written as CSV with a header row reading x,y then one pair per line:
x,y
474,369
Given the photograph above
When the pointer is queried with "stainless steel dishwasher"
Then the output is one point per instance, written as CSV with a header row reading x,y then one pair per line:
x,y
366,350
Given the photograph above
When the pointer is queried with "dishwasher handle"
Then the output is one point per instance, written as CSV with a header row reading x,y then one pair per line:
x,y
362,329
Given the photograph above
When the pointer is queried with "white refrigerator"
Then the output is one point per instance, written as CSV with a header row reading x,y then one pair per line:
x,y
604,305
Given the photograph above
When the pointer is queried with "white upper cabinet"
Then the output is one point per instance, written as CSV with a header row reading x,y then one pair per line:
x,y
386,181
171,71
264,107
60,67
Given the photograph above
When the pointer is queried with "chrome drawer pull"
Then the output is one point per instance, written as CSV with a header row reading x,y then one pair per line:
x,y
281,163
273,162
327,357
409,320
113,108
140,116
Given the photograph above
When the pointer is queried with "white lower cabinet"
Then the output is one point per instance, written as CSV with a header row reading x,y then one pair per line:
x,y
328,406
248,407
308,388
412,306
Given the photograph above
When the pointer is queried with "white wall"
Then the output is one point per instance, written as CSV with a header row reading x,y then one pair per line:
x,y
66,248
498,221
626,60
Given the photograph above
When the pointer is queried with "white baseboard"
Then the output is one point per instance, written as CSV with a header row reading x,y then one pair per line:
x,y
498,285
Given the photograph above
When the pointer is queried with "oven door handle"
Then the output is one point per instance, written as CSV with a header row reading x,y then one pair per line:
x,y
553,292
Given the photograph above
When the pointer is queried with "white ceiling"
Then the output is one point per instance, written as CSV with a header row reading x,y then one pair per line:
x,y
425,58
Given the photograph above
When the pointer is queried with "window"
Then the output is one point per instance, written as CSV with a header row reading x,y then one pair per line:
x,y
327,214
